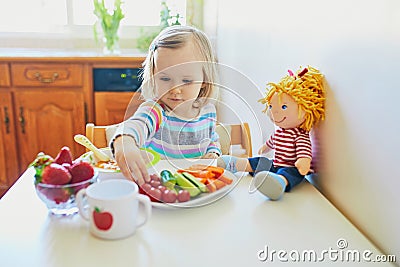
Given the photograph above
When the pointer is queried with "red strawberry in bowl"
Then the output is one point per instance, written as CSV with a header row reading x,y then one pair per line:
x,y
64,156
81,171
58,181
55,174
58,195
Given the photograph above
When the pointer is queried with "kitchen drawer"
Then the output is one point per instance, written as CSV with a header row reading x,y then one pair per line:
x,y
4,75
42,75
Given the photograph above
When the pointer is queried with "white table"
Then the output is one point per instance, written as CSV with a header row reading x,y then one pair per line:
x,y
230,232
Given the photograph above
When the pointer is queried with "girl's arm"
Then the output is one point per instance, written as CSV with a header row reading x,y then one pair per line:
x,y
142,125
131,135
214,148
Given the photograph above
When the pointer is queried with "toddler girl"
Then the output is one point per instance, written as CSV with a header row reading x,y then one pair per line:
x,y
177,119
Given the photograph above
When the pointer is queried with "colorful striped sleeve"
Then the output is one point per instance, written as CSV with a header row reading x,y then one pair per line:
x,y
210,115
144,123
214,146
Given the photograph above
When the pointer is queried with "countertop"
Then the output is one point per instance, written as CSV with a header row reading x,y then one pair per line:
x,y
24,54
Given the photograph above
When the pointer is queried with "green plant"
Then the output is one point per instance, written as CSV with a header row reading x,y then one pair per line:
x,y
166,20
109,23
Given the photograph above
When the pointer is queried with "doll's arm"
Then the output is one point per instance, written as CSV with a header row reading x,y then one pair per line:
x,y
267,146
303,165
264,149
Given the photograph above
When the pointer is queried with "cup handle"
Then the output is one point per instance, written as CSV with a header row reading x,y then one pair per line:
x,y
80,201
145,200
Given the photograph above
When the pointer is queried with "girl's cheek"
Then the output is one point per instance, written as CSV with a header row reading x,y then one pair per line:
x,y
161,90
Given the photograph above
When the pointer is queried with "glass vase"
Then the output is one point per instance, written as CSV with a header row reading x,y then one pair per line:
x,y
111,45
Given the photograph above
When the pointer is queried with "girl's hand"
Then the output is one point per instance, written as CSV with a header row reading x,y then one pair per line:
x,y
303,165
210,156
129,160
263,149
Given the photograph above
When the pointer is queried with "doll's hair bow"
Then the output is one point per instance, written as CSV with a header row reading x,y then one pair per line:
x,y
300,74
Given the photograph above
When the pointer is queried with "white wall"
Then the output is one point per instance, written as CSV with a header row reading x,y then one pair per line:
x,y
356,44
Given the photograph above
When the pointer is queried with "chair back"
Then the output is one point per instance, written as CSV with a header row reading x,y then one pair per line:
x,y
235,139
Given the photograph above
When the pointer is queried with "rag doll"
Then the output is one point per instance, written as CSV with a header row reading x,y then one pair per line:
x,y
295,104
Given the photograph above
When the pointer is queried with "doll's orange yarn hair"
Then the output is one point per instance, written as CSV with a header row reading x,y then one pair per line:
x,y
306,88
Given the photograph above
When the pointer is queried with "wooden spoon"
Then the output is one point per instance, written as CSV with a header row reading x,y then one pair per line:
x,y
83,140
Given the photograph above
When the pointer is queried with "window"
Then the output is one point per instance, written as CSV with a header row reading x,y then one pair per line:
x,y
74,19
57,16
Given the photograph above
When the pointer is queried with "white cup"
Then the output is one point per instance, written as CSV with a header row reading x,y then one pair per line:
x,y
111,207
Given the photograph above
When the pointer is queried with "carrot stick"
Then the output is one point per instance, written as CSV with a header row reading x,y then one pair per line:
x,y
211,186
218,171
198,167
219,184
225,179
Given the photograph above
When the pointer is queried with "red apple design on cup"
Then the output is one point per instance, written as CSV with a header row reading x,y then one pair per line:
x,y
102,219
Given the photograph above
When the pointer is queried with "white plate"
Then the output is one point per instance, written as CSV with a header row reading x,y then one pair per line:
x,y
202,199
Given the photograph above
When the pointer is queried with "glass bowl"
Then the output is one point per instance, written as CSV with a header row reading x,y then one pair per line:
x,y
60,199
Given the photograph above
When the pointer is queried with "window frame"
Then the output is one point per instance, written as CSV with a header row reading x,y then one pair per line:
x,y
76,36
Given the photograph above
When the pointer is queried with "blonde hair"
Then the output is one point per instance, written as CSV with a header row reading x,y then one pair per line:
x,y
175,37
306,88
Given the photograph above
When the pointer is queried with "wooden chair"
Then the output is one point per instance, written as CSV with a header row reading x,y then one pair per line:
x,y
235,139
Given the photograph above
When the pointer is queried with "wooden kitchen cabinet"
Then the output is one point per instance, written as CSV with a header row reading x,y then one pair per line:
x,y
50,108
42,107
47,121
4,75
46,100
9,169
114,107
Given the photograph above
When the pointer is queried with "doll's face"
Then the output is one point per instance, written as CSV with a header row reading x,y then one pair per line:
x,y
284,111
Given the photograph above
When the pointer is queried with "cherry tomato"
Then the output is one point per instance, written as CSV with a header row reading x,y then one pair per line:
x,y
146,187
155,194
169,196
155,183
183,196
161,188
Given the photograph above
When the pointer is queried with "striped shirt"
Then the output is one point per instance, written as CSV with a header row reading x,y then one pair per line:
x,y
289,145
154,127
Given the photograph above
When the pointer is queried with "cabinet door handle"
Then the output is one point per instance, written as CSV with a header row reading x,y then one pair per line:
x,y
86,113
6,120
22,119
46,80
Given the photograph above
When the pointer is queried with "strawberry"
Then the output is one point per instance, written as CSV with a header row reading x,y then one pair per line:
x,y
66,165
64,156
41,161
81,171
55,174
58,195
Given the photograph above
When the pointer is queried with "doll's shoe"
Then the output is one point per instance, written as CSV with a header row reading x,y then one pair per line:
x,y
269,184
227,162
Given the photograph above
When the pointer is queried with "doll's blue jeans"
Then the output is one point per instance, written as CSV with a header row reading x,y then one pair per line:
x,y
291,174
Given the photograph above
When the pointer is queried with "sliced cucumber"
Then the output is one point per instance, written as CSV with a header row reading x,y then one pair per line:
x,y
195,181
187,185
